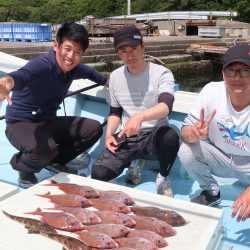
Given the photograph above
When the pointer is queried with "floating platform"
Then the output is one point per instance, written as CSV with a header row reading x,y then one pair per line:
x,y
205,48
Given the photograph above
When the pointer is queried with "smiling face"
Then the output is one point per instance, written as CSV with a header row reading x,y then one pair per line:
x,y
237,84
68,54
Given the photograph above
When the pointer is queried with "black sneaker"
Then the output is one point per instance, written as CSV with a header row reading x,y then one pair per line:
x,y
207,199
26,180
56,168
81,162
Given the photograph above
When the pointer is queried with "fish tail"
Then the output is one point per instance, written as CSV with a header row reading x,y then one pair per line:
x,y
52,183
16,218
44,195
37,211
7,214
13,217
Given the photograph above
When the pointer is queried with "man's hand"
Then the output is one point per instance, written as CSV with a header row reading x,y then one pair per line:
x,y
132,126
199,131
6,84
242,205
111,144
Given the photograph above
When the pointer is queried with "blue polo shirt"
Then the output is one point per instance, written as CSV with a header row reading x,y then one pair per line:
x,y
41,86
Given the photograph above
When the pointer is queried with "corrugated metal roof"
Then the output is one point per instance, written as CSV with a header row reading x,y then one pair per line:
x,y
188,15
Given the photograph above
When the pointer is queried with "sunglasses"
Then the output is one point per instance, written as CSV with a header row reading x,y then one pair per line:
x,y
245,72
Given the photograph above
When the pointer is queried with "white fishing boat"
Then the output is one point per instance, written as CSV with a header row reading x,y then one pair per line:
x,y
207,228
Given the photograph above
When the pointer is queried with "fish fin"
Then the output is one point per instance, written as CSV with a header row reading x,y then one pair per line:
x,y
32,230
56,207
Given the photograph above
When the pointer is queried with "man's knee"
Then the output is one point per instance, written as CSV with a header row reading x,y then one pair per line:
x,y
97,130
185,149
102,173
187,154
166,136
43,155
32,160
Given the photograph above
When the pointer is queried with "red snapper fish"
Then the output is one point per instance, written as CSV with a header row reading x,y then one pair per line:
x,y
151,236
112,230
117,195
87,217
169,216
96,239
69,188
115,218
59,220
158,226
71,200
110,205
137,243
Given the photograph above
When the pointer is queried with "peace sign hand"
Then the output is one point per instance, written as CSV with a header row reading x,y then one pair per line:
x,y
199,131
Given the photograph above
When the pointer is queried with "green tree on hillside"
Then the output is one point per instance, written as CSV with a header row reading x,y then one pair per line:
x,y
56,11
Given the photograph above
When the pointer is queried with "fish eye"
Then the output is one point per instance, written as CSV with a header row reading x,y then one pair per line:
x,y
83,203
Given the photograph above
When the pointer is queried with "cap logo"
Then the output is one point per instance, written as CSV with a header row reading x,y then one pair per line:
x,y
137,37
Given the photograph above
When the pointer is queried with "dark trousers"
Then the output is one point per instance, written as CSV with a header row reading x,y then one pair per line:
x,y
59,141
160,144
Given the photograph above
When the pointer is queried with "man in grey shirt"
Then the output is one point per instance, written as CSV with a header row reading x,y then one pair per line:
x,y
141,98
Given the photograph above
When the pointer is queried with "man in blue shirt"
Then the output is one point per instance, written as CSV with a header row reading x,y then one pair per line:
x,y
38,89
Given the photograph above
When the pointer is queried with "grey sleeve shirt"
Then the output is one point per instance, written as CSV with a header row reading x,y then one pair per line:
x,y
137,92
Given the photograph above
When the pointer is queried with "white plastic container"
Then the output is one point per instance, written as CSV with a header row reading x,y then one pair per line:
x,y
211,31
202,232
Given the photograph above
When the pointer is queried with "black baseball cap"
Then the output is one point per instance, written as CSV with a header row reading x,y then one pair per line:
x,y
238,53
128,35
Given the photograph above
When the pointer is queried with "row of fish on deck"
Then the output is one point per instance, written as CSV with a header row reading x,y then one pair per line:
x,y
100,220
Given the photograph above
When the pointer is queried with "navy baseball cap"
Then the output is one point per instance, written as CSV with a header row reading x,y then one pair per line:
x,y
128,35
238,53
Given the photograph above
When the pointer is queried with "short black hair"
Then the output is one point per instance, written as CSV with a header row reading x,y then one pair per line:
x,y
74,32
